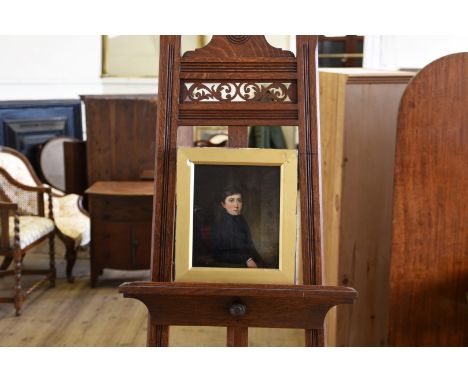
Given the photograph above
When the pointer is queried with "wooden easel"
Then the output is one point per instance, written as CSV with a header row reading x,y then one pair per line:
x,y
284,93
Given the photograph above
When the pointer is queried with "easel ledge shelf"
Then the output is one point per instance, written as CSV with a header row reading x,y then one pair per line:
x,y
272,306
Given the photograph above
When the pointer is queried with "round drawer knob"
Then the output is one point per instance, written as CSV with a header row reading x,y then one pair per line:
x,y
237,309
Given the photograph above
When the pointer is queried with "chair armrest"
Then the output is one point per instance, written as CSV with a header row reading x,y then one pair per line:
x,y
56,193
8,206
22,186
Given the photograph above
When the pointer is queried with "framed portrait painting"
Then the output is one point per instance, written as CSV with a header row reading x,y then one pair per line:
x,y
236,215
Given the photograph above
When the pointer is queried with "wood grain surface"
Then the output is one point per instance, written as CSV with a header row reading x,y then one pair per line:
x,y
309,171
122,188
165,168
120,136
270,306
429,267
121,215
74,154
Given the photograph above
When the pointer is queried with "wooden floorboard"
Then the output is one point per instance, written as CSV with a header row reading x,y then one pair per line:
x,y
77,315
74,314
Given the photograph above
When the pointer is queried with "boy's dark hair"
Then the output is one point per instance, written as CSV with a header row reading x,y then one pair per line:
x,y
230,190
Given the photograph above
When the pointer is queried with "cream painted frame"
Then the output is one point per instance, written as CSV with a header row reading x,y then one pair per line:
x,y
187,158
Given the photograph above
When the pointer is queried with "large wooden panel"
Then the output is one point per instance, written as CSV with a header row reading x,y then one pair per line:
x,y
120,136
429,270
358,110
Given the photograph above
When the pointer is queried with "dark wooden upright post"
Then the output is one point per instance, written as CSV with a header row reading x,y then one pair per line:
x,y
237,336
309,168
164,196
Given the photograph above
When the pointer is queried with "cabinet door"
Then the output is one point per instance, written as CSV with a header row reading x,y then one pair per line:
x,y
140,236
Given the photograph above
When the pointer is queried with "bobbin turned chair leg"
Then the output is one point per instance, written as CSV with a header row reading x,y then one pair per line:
x,y
33,227
19,298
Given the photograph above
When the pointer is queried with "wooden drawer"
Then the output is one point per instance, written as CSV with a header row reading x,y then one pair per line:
x,y
121,208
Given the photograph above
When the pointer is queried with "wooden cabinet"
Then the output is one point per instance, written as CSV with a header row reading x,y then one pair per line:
x,y
120,135
358,119
119,149
121,217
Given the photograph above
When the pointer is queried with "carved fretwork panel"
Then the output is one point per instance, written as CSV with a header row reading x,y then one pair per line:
x,y
250,91
240,80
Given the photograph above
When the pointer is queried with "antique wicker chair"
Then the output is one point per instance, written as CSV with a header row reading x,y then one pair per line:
x,y
23,225
72,221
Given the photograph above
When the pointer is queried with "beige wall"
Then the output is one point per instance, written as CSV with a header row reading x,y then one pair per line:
x,y
137,56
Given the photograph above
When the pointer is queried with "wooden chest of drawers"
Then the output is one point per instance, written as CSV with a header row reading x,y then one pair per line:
x,y
121,214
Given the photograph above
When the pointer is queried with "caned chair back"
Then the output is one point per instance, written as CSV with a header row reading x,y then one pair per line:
x,y
15,163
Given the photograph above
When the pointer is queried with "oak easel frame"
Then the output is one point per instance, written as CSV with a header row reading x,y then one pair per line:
x,y
237,59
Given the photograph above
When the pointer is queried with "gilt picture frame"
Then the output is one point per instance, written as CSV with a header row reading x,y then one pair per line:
x,y
236,215
204,133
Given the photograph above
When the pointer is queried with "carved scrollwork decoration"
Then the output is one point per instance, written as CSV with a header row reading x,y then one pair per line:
x,y
250,91
225,91
199,92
